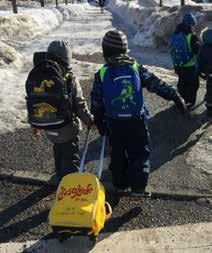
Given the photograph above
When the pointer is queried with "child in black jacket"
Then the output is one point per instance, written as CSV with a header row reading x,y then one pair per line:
x,y
123,116
205,67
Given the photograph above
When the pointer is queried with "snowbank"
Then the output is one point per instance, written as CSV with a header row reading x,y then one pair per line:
x,y
7,54
29,23
154,25
33,22
154,3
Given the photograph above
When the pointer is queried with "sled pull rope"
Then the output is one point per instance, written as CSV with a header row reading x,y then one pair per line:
x,y
85,150
101,159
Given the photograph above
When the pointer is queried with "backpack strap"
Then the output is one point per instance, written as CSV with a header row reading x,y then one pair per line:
x,y
136,66
188,37
102,72
192,62
68,79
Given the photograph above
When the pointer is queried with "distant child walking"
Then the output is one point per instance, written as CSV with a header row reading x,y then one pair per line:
x,y
101,5
55,103
118,106
205,66
184,50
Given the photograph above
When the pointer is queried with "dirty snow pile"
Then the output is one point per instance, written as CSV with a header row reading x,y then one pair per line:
x,y
16,33
154,3
16,29
153,24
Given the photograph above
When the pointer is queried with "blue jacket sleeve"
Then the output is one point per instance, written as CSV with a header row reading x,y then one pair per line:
x,y
156,85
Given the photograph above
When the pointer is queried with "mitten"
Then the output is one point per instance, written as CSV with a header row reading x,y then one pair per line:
x,y
36,132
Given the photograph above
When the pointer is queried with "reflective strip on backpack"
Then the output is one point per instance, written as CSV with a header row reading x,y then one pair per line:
x,y
47,124
120,77
125,115
52,133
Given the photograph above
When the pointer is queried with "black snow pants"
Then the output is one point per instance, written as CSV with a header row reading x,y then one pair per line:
x,y
209,96
66,157
188,84
129,140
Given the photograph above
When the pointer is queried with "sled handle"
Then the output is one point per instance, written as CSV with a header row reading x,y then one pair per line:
x,y
85,150
101,159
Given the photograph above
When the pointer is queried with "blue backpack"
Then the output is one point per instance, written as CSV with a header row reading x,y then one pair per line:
x,y
180,49
122,91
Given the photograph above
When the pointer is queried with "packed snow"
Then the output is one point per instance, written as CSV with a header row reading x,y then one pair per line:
x,y
154,25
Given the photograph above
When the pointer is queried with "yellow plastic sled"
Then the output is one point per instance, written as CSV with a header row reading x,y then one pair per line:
x,y
80,207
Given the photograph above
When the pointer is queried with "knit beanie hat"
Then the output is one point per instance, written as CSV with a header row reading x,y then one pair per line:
x,y
189,19
114,43
60,49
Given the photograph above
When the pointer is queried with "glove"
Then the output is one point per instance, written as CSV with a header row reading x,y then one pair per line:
x,y
180,104
36,132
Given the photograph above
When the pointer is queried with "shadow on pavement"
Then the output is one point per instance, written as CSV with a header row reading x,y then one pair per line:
x,y
9,213
115,223
14,230
170,135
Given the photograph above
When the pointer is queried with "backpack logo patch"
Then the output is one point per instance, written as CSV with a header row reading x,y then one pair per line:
x,y
44,110
44,83
122,89
126,96
48,98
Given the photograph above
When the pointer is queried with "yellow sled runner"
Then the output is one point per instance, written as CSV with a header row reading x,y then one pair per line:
x,y
80,206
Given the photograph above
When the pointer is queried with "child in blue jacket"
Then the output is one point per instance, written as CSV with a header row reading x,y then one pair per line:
x,y
188,78
119,110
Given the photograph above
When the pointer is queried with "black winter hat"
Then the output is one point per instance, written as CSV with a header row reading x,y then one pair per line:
x,y
189,19
61,49
114,43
